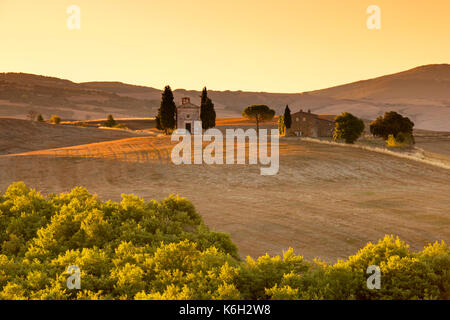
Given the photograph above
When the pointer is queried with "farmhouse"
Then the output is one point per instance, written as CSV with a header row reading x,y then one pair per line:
x,y
307,124
187,113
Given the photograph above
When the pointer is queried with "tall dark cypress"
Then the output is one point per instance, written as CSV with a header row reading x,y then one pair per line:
x,y
287,118
207,112
203,111
211,114
158,121
167,111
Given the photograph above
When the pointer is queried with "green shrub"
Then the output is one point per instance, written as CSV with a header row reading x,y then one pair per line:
x,y
348,128
402,140
55,119
162,250
391,123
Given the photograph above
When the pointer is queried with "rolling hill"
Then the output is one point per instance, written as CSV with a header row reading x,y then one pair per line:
x,y
20,93
422,93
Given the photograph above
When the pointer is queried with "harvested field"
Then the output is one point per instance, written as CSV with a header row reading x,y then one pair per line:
x,y
132,124
326,201
22,136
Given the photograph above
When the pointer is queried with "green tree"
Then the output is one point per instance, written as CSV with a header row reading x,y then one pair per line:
x,y
40,118
391,124
110,122
259,113
167,110
207,112
348,127
287,118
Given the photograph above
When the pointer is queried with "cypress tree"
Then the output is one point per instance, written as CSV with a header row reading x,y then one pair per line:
x,y
204,96
287,118
207,112
158,122
167,111
203,112
211,114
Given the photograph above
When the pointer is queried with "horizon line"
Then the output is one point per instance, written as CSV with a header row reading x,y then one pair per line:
x,y
228,90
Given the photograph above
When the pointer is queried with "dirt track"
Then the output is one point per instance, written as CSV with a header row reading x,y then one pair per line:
x,y
326,201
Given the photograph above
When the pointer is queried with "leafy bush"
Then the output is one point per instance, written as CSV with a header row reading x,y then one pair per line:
x,y
162,250
55,119
348,128
392,123
402,140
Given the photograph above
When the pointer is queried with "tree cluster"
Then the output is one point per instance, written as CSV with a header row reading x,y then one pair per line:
x,y
167,113
394,124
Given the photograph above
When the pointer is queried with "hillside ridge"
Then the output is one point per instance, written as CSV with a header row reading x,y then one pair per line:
x,y
421,93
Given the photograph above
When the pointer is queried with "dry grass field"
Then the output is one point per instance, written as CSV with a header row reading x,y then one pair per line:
x,y
130,123
326,201
21,135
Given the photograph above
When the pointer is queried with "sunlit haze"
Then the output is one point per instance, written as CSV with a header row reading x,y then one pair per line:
x,y
275,46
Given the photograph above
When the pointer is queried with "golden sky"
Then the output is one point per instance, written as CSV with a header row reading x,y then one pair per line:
x,y
255,45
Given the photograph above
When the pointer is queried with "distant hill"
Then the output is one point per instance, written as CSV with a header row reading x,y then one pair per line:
x,y
422,93
20,93
426,82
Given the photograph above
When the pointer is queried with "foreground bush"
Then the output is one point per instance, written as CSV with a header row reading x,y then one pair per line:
x,y
162,250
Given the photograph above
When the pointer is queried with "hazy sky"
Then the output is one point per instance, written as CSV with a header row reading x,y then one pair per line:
x,y
257,45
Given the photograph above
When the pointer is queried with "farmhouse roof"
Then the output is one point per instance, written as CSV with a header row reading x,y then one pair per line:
x,y
328,117
324,117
